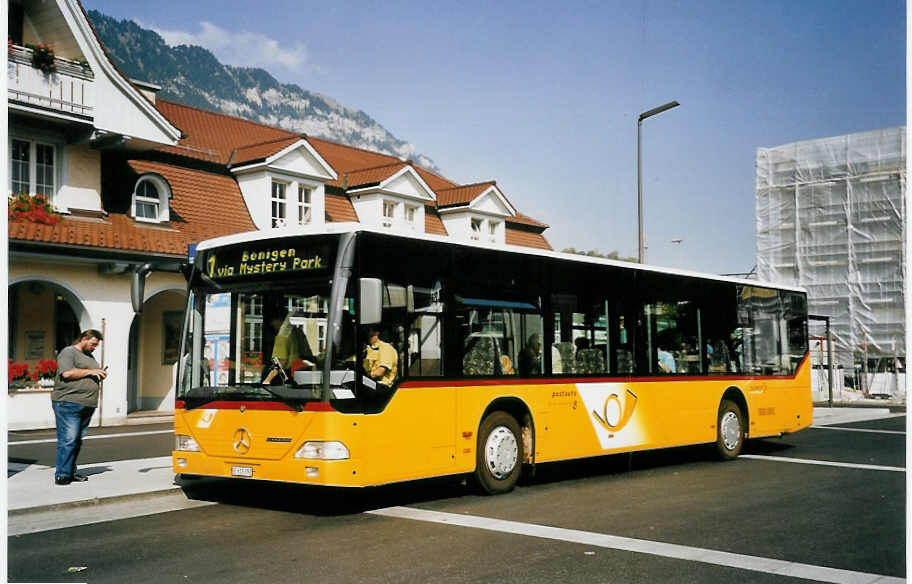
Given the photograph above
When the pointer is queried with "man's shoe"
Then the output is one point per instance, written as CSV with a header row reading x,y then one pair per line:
x,y
62,480
78,478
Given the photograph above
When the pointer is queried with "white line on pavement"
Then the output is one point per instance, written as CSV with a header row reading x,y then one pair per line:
x,y
90,437
668,550
859,430
823,462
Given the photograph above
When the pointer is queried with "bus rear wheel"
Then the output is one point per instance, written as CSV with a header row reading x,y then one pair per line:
x,y
729,430
499,454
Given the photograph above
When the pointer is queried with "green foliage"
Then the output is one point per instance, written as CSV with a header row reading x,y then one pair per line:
x,y
611,255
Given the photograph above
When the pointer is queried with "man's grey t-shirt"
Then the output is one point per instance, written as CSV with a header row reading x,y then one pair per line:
x,y
79,391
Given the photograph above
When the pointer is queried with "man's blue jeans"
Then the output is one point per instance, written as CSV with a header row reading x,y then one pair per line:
x,y
72,424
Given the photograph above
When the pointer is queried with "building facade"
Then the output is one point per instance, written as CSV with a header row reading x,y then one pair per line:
x,y
109,188
831,217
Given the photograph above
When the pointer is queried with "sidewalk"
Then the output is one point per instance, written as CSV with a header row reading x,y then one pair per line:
x,y
31,488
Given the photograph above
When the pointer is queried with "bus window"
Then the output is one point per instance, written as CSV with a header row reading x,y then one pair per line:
x,y
497,336
671,322
425,333
773,330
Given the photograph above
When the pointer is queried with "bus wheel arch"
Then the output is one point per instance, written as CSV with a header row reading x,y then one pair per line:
x,y
504,443
732,424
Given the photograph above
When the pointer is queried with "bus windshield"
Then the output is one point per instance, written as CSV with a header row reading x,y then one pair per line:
x,y
264,344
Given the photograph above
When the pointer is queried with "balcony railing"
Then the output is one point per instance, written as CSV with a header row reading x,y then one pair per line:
x,y
70,89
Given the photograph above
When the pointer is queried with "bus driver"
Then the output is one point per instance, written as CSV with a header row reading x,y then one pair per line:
x,y
381,360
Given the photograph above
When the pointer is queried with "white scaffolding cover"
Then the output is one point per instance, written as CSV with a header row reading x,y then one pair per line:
x,y
830,218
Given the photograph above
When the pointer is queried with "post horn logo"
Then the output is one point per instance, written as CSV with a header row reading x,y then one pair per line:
x,y
242,441
615,415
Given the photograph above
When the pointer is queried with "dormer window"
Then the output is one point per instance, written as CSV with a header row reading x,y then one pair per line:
x,y
305,205
411,211
477,225
150,200
389,213
279,204
492,230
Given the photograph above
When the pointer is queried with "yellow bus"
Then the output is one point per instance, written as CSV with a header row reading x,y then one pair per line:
x,y
497,358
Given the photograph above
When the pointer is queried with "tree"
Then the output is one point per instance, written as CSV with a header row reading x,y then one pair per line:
x,y
611,255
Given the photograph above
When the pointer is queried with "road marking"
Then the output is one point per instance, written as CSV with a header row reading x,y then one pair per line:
x,y
123,435
859,430
823,462
101,511
655,548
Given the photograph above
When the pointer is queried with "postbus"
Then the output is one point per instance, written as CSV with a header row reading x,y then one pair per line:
x,y
506,358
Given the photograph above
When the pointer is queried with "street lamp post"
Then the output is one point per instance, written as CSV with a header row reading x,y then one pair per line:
x,y
642,235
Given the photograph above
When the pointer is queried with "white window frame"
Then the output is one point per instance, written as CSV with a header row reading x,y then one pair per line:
x,y
305,204
162,212
388,212
493,230
32,168
411,216
475,234
278,202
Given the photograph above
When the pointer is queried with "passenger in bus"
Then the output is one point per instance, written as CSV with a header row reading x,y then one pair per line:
x,y
666,361
530,357
381,361
290,346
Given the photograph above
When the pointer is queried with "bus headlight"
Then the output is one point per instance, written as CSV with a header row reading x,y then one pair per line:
x,y
319,450
186,443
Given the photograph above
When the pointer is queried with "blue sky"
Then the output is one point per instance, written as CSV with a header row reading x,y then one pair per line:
x,y
544,98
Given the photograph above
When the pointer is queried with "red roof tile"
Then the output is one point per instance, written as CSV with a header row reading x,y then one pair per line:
x,y
208,204
256,152
369,176
117,231
526,220
213,137
462,194
339,209
432,222
526,238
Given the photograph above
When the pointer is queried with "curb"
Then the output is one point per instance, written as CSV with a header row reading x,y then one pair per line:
x,y
93,502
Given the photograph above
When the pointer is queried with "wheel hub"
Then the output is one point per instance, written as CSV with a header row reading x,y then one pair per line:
x,y
501,452
730,427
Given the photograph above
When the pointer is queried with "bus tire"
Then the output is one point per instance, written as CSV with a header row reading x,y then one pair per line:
x,y
499,454
729,430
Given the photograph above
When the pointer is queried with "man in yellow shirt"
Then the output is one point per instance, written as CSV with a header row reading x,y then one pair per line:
x,y
381,361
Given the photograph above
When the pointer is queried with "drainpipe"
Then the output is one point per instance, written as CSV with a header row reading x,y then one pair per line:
x,y
138,286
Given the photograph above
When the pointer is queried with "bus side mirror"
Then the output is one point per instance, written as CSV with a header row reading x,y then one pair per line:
x,y
370,310
186,269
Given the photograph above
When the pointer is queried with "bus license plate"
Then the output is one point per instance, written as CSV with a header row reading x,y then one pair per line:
x,y
242,471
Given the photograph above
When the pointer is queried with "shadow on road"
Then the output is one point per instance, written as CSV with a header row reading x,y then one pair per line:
x,y
330,501
319,501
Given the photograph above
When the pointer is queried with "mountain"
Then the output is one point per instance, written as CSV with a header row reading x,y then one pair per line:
x,y
193,76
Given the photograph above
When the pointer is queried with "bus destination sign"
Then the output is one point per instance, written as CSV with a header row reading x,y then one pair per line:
x,y
270,261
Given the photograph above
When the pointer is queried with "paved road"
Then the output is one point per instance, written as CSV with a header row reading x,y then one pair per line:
x,y
686,517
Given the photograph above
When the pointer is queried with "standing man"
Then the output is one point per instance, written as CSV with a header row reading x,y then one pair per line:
x,y
74,400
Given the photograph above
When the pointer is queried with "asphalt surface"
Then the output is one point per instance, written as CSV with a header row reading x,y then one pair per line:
x,y
840,517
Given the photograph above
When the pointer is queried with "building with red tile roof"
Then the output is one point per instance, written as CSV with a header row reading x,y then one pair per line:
x,y
133,182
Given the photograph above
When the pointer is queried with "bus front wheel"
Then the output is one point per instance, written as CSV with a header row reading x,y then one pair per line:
x,y
729,430
499,456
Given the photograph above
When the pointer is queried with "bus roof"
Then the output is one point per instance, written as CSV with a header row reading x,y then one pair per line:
x,y
340,228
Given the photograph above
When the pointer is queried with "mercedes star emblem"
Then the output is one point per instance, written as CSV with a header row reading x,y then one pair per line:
x,y
242,441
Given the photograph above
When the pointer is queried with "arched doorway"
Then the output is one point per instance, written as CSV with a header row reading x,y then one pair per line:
x,y
44,317
154,343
